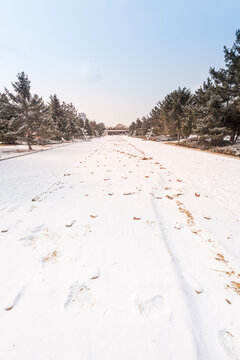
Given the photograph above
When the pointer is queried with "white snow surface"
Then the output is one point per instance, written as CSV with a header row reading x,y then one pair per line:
x,y
120,249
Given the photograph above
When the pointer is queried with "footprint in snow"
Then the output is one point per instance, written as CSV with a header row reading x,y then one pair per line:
x,y
80,294
230,344
87,229
154,306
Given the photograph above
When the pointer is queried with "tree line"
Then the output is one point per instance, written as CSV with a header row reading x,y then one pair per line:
x,y
25,117
211,113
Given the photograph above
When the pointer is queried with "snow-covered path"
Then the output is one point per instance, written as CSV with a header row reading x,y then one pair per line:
x,y
120,249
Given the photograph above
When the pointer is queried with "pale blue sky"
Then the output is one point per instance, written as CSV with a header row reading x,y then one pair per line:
x,y
114,59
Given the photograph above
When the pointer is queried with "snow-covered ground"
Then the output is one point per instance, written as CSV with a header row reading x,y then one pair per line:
x,y
11,151
120,249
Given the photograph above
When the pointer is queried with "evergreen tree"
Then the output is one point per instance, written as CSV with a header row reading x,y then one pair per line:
x,y
173,110
209,123
6,113
88,128
55,111
227,83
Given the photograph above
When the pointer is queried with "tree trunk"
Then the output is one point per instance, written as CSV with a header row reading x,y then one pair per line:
x,y
29,145
236,137
178,136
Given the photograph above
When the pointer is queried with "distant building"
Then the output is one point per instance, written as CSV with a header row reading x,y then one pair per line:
x,y
116,132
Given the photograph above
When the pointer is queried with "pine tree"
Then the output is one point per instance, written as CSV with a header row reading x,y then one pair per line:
x,y
173,111
209,114
88,128
22,125
55,111
6,113
227,83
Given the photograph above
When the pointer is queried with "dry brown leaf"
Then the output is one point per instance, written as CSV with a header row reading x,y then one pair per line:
x,y
236,287
50,256
220,257
70,225
94,277
93,216
207,218
228,301
9,308
107,179
169,197
179,180
197,195
136,218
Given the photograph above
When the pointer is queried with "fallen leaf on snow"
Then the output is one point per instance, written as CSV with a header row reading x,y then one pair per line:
x,y
94,277
220,257
136,218
93,216
179,180
50,257
70,225
179,194
169,197
9,308
228,301
197,195
178,228
236,287
107,179
207,218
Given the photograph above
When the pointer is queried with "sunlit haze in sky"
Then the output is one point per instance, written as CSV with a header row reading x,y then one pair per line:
x,y
114,59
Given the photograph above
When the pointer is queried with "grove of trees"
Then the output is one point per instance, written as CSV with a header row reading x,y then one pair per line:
x,y
25,117
211,113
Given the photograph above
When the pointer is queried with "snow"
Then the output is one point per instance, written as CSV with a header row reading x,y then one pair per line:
x,y
12,151
118,249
